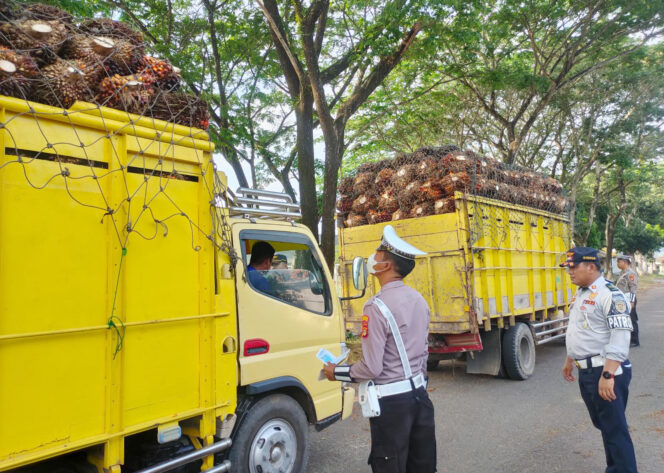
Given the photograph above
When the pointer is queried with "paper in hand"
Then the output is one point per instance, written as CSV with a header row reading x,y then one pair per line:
x,y
327,357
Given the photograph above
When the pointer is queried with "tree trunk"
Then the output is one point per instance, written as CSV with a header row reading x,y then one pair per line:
x,y
332,165
230,153
609,232
305,161
572,211
593,206
611,220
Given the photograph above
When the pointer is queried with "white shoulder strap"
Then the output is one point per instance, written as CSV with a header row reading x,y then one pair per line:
x,y
387,313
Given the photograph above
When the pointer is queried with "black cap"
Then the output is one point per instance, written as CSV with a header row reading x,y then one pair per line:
x,y
580,254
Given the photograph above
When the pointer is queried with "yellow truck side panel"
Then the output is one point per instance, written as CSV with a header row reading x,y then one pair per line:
x,y
486,260
69,378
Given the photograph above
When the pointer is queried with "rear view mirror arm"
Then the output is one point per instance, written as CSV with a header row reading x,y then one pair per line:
x,y
350,298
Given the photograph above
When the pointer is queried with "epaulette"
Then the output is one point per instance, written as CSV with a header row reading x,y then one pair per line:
x,y
611,287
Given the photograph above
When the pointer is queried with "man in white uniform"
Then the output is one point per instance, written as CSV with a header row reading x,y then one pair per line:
x,y
597,342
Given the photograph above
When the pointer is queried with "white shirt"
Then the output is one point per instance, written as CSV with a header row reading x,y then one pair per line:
x,y
599,322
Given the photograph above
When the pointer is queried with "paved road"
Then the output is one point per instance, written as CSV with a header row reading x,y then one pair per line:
x,y
488,425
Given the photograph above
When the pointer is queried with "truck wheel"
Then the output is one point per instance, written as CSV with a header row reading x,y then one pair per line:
x,y
519,351
273,437
432,364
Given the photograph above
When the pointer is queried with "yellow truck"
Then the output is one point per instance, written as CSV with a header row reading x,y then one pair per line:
x,y
491,279
131,337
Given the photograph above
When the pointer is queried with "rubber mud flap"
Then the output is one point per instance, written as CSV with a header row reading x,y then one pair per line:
x,y
384,459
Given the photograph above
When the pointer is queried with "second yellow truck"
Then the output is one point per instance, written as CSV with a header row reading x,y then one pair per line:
x,y
491,278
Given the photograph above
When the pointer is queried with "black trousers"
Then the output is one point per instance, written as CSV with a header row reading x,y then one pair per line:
x,y
403,437
635,323
609,417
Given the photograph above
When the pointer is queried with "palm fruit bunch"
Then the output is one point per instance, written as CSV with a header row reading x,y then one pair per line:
x,y
425,183
457,181
42,39
61,84
404,175
40,11
443,206
178,107
387,201
17,73
431,189
411,194
7,11
363,203
46,56
125,59
161,73
378,216
93,51
129,93
383,178
111,29
355,220
422,210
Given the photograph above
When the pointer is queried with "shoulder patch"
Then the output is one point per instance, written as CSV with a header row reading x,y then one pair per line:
x,y
365,326
631,277
618,304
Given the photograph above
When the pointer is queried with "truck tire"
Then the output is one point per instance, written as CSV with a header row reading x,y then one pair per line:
x,y
273,437
432,364
519,351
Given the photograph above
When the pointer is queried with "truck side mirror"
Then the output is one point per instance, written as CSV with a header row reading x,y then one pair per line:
x,y
360,273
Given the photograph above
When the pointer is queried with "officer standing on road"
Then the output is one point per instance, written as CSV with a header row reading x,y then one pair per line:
x,y
627,282
597,342
395,327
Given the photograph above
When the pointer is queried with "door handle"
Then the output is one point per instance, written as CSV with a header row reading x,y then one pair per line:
x,y
256,346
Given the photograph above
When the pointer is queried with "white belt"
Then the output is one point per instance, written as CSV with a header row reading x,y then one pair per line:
x,y
399,387
595,361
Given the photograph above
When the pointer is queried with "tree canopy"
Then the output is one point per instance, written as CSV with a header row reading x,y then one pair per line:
x,y
570,88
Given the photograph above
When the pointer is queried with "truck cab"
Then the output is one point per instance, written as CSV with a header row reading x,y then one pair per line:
x,y
285,315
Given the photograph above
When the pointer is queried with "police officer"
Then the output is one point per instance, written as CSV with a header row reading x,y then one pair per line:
x,y
627,282
598,343
403,435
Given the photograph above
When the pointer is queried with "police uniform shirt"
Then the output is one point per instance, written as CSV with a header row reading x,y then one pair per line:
x,y
628,282
380,357
599,322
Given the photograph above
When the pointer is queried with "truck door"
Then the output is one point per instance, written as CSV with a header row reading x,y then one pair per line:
x,y
286,313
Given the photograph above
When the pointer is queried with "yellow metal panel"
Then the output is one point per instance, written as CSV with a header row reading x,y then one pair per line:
x,y
439,277
165,381
63,227
43,398
499,258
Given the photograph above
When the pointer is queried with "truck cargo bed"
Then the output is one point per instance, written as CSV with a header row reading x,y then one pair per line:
x,y
487,260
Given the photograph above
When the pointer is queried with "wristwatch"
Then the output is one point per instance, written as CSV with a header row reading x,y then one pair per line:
x,y
607,375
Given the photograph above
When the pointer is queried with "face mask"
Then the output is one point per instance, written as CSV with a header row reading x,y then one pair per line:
x,y
371,264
